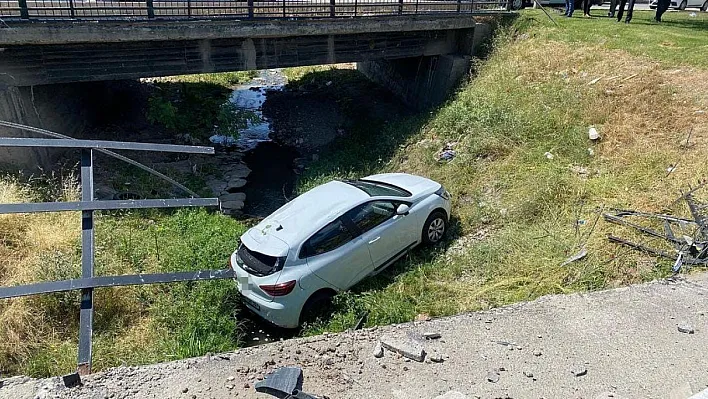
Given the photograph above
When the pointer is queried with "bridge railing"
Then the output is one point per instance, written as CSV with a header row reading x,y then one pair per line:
x,y
17,10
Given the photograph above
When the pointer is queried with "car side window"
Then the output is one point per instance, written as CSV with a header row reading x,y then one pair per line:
x,y
330,237
371,214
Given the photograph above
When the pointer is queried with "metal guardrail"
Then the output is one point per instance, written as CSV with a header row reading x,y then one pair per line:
x,y
47,10
88,282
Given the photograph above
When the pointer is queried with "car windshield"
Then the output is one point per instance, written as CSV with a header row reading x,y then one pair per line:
x,y
377,189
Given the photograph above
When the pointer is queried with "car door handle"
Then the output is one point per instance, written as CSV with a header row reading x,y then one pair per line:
x,y
374,240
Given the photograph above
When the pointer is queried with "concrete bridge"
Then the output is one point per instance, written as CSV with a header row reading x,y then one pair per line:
x,y
420,49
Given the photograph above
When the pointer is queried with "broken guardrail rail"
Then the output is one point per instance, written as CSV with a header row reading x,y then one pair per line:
x,y
685,239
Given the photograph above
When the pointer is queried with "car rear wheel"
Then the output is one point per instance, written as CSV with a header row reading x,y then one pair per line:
x,y
434,228
705,7
318,306
682,6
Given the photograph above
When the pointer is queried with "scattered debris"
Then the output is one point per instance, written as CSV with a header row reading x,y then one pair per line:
x,y
548,155
493,376
422,317
220,139
591,152
437,358
431,335
686,328
71,380
537,352
282,382
592,82
578,256
378,351
579,370
407,347
528,374
693,14
593,134
688,237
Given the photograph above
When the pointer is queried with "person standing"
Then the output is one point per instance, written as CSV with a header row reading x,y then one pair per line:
x,y
569,7
630,9
586,8
613,7
661,8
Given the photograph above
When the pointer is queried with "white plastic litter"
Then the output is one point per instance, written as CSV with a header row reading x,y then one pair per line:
x,y
548,155
593,134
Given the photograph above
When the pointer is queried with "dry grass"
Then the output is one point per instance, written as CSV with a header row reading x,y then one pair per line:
x,y
27,242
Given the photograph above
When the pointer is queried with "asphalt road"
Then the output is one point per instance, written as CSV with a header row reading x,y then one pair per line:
x,y
623,343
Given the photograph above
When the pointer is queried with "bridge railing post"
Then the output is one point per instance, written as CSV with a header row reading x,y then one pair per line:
x,y
24,12
250,8
150,9
189,8
459,6
400,7
332,11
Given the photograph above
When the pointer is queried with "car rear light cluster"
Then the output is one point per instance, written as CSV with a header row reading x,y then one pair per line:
x,y
443,193
279,289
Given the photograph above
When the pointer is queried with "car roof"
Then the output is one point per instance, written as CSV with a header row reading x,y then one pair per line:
x,y
304,215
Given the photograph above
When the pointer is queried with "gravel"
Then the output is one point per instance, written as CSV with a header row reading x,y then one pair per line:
x,y
620,341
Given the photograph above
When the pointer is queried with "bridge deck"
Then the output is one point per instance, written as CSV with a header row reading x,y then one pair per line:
x,y
96,10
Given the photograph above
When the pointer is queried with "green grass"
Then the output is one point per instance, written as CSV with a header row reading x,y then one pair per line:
x,y
517,214
678,40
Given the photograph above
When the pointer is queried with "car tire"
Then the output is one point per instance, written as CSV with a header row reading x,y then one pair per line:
x,y
705,7
682,6
317,305
434,228
517,4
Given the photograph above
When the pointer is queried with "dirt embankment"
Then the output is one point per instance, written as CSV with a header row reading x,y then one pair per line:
x,y
626,343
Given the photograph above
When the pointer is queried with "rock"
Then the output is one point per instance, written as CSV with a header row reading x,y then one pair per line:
x,y
185,390
233,197
593,133
579,370
437,358
378,350
246,385
686,328
452,395
239,171
231,378
405,346
422,317
431,335
528,374
493,376
235,184
537,352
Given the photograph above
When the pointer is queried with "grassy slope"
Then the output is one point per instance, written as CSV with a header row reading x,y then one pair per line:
x,y
516,212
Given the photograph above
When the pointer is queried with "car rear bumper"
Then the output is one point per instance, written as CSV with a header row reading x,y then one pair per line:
x,y
272,312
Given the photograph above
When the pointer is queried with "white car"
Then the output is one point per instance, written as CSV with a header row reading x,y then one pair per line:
x,y
682,4
331,237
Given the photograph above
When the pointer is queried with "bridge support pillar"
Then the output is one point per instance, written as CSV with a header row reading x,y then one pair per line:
x,y
421,82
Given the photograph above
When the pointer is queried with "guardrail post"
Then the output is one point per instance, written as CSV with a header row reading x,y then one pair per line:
x,y
71,9
400,7
284,14
189,8
459,6
87,247
250,8
24,12
355,7
331,8
151,9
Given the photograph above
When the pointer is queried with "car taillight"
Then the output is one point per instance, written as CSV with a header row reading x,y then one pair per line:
x,y
279,289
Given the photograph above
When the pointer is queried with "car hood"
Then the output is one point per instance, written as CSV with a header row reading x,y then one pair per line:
x,y
261,239
416,185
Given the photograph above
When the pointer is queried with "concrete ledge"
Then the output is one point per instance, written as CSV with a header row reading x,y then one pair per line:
x,y
114,32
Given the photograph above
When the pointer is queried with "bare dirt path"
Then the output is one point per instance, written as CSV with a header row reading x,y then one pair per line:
x,y
622,343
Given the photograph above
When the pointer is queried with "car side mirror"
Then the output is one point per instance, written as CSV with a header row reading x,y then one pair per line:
x,y
403,209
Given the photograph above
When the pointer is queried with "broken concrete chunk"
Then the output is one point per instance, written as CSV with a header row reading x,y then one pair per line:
x,y
686,328
493,376
405,346
452,395
378,351
579,370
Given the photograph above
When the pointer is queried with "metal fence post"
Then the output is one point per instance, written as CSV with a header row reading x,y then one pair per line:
x,y
150,9
250,8
87,248
189,8
400,7
331,8
24,12
71,8
355,7
459,6
284,14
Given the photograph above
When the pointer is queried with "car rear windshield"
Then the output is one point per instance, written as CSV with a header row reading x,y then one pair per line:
x,y
378,189
258,263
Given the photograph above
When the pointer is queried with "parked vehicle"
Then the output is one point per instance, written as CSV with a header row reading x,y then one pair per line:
x,y
682,4
331,237
557,3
